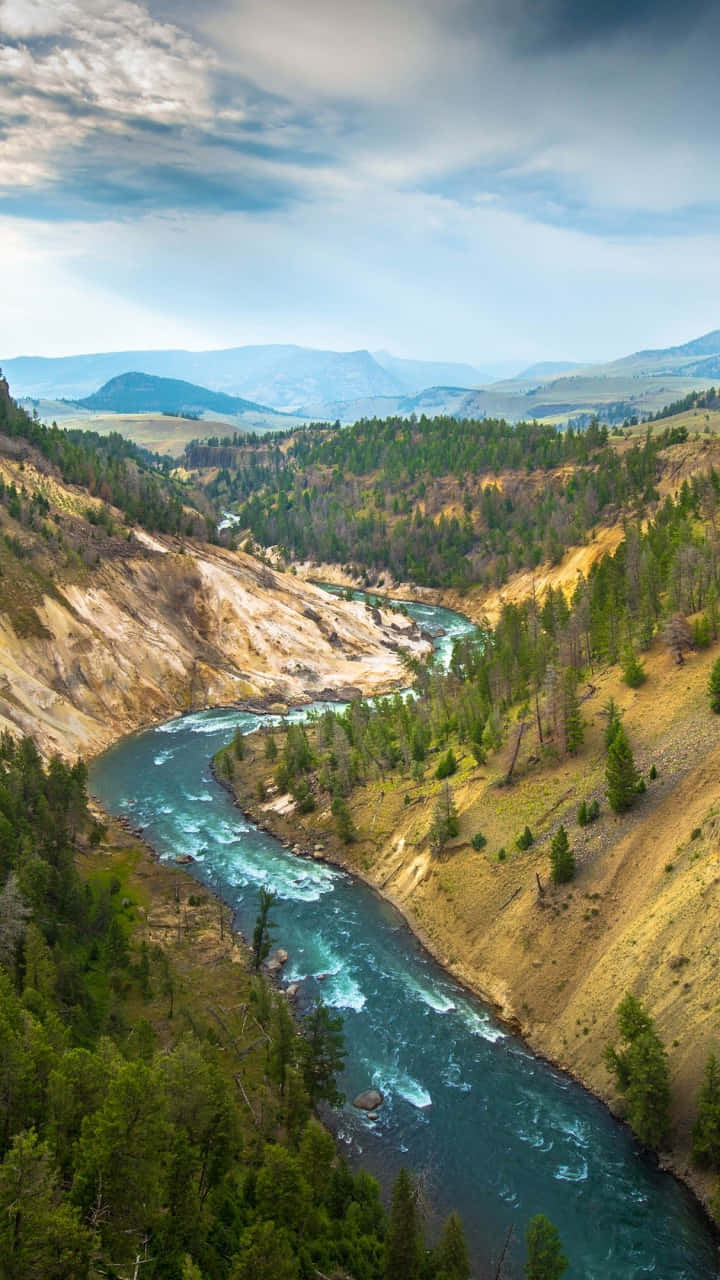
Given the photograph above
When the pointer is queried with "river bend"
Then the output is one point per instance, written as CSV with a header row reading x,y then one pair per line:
x,y
498,1134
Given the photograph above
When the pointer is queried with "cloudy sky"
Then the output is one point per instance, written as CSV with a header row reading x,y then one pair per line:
x,y
485,180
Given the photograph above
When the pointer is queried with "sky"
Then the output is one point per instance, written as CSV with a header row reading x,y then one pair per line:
x,y
482,180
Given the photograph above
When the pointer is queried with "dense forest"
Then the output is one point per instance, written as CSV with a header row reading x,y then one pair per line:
x,y
694,400
109,467
535,655
121,1154
436,501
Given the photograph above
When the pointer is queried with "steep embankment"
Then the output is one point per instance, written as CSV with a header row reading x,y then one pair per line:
x,y
640,915
123,628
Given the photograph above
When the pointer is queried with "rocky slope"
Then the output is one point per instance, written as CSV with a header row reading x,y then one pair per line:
x,y
147,627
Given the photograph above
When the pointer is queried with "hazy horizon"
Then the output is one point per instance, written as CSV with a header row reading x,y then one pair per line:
x,y
474,181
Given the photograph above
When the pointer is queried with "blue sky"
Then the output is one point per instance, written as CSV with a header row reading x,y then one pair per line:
x,y
508,180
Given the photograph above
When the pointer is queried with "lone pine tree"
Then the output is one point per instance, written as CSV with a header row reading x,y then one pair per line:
x,y
562,858
621,777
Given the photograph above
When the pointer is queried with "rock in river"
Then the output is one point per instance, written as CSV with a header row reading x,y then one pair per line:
x,y
370,1100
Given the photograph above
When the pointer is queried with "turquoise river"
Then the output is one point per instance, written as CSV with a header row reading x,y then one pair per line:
x,y
497,1133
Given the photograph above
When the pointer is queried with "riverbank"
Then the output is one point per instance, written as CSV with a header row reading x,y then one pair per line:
x,y
482,605
546,965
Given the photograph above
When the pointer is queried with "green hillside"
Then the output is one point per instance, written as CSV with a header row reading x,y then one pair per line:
x,y
145,393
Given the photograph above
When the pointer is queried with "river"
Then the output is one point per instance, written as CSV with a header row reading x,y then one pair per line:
x,y
497,1133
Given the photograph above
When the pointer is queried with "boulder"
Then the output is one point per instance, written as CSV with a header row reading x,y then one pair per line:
x,y
370,1100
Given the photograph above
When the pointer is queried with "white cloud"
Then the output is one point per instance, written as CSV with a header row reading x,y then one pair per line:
x,y
105,67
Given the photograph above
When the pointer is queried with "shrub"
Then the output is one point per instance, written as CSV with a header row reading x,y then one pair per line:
x,y
582,815
478,841
652,775
447,766
634,673
525,839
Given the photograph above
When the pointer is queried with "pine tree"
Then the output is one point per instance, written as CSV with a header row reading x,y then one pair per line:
x,y
634,673
706,1130
621,777
452,1253
344,824
322,1053
546,1260
262,937
612,718
714,687
446,821
447,766
574,730
562,858
641,1072
402,1246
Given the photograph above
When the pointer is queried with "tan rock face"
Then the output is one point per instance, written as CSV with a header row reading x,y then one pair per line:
x,y
151,637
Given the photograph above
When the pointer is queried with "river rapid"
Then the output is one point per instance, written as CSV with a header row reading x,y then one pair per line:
x,y
497,1133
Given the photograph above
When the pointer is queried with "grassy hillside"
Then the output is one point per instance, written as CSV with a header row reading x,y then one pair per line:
x,y
146,393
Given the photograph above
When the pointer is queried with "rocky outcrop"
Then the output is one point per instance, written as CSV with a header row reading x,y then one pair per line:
x,y
168,632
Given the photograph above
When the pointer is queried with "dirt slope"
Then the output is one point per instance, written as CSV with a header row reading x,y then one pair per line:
x,y
90,653
642,913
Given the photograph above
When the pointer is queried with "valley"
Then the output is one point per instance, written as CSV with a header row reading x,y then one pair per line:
x,y
119,615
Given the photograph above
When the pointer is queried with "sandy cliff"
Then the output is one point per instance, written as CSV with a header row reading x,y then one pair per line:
x,y
146,637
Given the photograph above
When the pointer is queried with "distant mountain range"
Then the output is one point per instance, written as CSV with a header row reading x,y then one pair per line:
x,y
145,393
284,377
351,384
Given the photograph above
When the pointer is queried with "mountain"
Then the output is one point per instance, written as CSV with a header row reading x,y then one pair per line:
x,y
348,384
665,358
145,393
547,369
281,376
432,400
416,375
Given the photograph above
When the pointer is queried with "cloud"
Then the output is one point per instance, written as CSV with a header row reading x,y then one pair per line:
x,y
330,167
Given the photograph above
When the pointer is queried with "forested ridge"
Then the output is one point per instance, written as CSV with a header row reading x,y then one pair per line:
x,y
108,467
437,502
537,652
